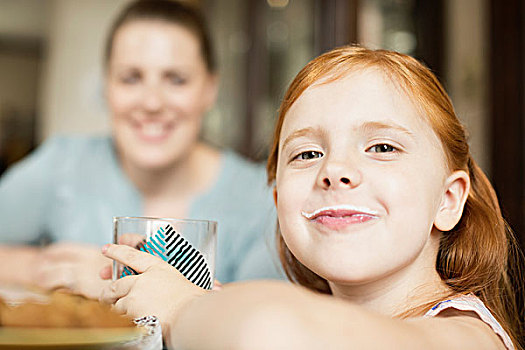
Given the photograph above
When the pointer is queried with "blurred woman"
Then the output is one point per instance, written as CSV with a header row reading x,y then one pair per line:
x,y
160,82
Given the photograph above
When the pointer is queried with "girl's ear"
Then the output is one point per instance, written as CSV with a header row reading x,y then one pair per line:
x,y
275,195
457,187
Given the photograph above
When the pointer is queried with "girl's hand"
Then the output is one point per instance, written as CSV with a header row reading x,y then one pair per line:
x,y
130,239
159,289
217,286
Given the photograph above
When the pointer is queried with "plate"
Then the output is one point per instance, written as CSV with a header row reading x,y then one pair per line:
x,y
67,338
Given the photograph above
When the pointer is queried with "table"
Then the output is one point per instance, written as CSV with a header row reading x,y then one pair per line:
x,y
28,322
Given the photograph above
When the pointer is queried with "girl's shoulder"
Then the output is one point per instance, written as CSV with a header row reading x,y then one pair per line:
x,y
470,302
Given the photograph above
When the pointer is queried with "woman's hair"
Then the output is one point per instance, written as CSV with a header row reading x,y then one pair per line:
x,y
168,11
479,254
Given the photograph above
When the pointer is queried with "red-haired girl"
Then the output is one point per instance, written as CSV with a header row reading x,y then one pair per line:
x,y
387,223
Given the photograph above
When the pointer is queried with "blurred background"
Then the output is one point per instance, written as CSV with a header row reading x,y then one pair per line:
x,y
51,69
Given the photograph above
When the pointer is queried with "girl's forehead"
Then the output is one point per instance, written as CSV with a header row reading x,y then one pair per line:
x,y
358,97
353,87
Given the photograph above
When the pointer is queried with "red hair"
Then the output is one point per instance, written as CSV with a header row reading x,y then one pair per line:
x,y
480,254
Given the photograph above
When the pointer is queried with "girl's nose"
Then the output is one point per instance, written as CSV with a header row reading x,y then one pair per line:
x,y
336,175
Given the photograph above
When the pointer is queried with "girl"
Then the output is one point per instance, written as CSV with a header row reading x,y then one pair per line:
x,y
380,205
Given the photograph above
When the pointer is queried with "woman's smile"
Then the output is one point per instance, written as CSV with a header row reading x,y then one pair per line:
x,y
153,131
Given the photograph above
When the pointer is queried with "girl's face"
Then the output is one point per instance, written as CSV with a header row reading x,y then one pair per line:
x,y
360,180
158,88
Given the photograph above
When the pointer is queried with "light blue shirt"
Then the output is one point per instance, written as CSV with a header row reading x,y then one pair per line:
x,y
69,189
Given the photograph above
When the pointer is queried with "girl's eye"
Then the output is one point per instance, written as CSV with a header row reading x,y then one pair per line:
x,y
308,155
382,148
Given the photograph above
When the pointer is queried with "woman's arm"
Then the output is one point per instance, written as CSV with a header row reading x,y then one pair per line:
x,y
28,195
272,315
17,264
61,265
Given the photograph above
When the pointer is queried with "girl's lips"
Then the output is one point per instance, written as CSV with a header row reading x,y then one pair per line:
x,y
340,222
341,216
340,211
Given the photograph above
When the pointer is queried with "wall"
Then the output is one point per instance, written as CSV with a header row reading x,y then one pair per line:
x,y
467,71
23,17
72,90
23,32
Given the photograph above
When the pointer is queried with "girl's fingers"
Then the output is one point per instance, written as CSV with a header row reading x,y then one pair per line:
x,y
131,239
217,285
137,260
117,289
106,272
121,306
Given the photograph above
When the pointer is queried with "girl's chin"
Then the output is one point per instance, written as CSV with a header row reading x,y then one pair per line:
x,y
348,274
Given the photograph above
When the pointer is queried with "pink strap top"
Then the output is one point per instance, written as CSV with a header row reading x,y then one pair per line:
x,y
470,302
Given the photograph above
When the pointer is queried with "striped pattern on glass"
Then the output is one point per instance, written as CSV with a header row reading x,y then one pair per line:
x,y
170,246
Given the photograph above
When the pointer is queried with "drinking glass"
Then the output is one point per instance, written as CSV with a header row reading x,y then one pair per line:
x,y
187,245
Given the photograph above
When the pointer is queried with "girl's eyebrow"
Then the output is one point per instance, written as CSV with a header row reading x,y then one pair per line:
x,y
366,127
303,132
374,126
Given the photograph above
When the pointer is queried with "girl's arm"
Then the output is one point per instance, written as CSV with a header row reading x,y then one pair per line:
x,y
274,315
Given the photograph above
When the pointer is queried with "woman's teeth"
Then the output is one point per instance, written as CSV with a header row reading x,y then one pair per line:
x,y
153,130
